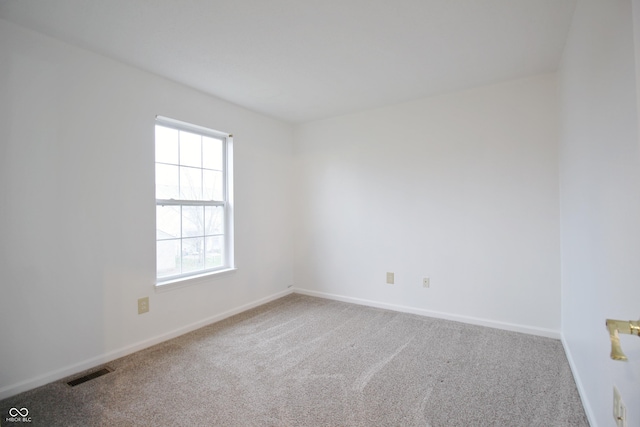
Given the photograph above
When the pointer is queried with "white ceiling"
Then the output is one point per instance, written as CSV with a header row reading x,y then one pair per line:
x,y
302,60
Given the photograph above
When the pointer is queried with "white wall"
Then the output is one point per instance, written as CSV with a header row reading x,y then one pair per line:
x,y
77,209
462,188
600,194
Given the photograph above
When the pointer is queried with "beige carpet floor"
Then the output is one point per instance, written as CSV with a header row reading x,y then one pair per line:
x,y
304,361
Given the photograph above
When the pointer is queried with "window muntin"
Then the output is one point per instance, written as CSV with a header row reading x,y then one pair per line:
x,y
193,212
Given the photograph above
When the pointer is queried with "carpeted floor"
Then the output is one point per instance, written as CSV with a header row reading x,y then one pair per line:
x,y
303,361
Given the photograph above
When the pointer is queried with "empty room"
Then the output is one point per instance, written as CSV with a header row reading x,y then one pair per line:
x,y
337,213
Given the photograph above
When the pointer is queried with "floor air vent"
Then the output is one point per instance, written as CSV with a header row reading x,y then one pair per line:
x,y
89,376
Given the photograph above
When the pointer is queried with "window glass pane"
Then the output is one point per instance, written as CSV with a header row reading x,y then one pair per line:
x,y
212,152
192,221
214,247
166,145
168,258
190,183
213,220
190,168
166,181
212,185
167,222
192,254
190,149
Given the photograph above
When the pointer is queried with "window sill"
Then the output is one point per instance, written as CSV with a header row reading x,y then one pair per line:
x,y
192,280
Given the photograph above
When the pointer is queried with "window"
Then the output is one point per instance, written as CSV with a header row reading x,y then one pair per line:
x,y
194,223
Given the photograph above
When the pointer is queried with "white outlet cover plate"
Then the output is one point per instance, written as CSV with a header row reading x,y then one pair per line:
x,y
619,409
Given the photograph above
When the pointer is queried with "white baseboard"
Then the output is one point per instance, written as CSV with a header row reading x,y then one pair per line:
x,y
576,376
549,333
58,374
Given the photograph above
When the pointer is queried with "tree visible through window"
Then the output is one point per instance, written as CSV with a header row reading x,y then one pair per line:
x,y
193,224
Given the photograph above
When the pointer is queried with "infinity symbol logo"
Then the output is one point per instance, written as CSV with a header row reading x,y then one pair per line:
x,y
14,412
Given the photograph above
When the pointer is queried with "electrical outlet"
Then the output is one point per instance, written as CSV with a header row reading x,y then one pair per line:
x,y
619,409
390,278
143,305
425,282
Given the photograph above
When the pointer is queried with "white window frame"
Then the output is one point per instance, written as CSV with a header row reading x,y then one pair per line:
x,y
226,203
